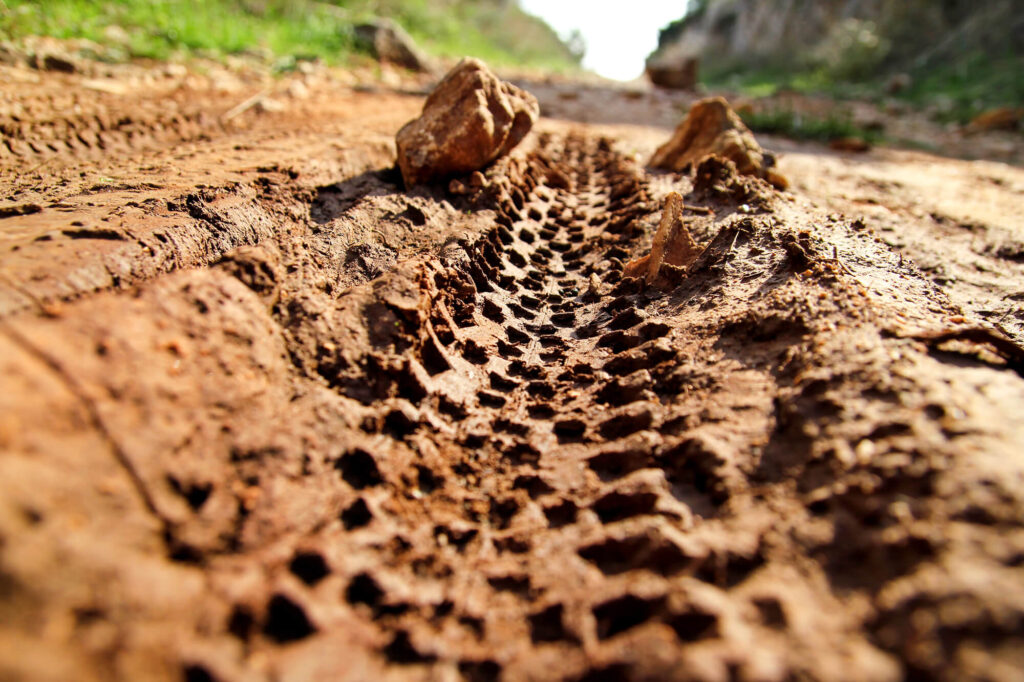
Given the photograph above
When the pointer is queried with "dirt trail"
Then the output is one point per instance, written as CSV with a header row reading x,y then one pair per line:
x,y
960,222
267,416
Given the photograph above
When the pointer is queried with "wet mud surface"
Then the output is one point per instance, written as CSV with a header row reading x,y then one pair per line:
x,y
276,418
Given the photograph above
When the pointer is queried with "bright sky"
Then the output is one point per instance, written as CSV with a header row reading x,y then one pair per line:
x,y
619,34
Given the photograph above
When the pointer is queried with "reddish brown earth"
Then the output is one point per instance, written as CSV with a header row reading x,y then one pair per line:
x,y
268,416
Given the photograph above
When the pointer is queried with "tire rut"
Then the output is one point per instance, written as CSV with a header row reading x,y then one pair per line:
x,y
439,435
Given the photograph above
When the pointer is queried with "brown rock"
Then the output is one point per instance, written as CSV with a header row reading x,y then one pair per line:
x,y
471,119
672,245
675,75
712,128
776,179
898,83
850,144
10,55
56,62
1003,118
388,42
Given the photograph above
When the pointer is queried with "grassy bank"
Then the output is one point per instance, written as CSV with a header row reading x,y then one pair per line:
x,y
801,126
954,91
161,29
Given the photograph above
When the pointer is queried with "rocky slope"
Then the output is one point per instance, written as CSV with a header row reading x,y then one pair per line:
x,y
794,32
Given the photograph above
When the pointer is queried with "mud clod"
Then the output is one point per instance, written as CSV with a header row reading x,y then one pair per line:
x,y
672,245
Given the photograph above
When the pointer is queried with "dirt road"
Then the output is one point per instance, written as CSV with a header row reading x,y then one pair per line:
x,y
268,416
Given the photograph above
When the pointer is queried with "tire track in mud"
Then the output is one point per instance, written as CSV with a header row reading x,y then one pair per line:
x,y
580,514
497,458
77,127
548,382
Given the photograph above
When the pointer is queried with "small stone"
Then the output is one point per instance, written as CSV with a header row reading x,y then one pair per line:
x,y
117,35
1003,118
477,180
471,119
776,179
270,106
60,63
175,70
11,55
850,144
712,128
298,90
898,82
388,42
674,74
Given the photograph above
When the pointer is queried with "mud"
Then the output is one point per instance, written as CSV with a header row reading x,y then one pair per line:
x,y
276,418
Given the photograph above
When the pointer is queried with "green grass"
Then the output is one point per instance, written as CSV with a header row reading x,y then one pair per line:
x,y
163,29
788,123
481,28
159,29
958,90
963,89
767,79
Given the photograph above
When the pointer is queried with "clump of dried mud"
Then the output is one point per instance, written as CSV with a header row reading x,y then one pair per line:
x,y
375,434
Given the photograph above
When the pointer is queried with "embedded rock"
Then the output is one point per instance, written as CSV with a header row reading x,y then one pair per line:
x,y
712,128
857,145
1003,118
388,42
471,119
674,74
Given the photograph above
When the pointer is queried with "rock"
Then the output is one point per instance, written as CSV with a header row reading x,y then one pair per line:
x,y
776,179
471,119
850,144
173,70
11,55
267,105
117,35
388,42
675,75
55,62
712,128
672,244
1003,118
297,90
898,82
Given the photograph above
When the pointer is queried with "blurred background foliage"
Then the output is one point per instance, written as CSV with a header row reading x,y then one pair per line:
x,y
955,58
494,30
959,57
